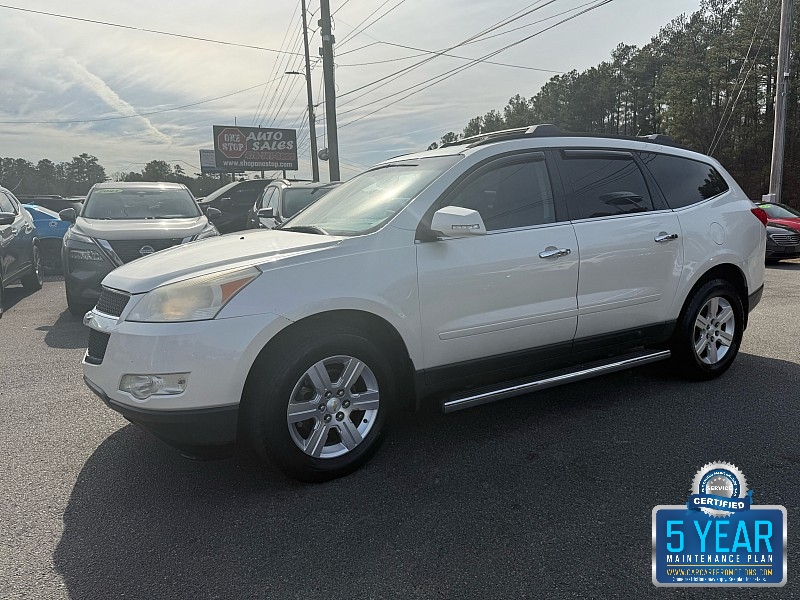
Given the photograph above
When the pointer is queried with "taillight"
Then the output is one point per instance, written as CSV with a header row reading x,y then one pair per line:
x,y
761,215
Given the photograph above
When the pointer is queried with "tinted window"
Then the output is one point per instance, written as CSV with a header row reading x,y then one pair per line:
x,y
139,203
604,184
5,204
296,200
684,181
509,196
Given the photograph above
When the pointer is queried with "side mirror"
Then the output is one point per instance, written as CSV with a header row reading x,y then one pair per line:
x,y
455,221
266,213
7,218
213,213
68,214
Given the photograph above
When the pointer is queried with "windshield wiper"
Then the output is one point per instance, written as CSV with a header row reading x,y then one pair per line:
x,y
305,229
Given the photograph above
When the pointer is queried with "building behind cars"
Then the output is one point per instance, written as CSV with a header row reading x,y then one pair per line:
x,y
119,223
498,265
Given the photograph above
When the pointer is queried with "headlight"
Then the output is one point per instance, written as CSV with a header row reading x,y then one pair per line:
x,y
196,299
207,233
73,236
90,255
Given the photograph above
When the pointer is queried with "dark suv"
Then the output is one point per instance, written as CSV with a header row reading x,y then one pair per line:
x,y
120,222
234,201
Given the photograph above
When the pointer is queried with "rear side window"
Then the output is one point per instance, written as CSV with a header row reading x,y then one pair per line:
x,y
604,184
684,181
5,204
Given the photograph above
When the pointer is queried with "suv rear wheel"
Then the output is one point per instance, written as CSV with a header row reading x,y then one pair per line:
x,y
709,331
33,280
319,412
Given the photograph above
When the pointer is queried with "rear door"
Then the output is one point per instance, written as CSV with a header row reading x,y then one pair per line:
x,y
631,248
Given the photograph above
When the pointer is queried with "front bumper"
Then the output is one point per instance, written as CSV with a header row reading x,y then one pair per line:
x,y
193,431
217,355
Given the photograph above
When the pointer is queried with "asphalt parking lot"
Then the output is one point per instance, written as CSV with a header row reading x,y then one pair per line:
x,y
545,496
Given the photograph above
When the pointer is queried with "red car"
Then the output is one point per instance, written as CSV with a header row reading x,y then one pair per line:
x,y
782,214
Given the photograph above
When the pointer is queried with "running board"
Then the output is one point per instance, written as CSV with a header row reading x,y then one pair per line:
x,y
517,388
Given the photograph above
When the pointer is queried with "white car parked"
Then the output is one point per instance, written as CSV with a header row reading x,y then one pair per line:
x,y
487,268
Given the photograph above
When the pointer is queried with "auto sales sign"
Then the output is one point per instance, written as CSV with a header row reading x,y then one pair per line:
x,y
255,148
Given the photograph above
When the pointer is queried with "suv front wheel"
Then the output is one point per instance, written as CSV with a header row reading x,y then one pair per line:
x,y
320,410
709,332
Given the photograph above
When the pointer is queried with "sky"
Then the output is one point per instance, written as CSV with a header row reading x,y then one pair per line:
x,y
66,83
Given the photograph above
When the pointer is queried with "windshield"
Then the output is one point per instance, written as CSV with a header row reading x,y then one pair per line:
x,y
140,203
296,200
780,211
366,202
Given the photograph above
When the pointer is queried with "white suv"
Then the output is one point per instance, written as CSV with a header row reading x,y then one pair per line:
x,y
491,267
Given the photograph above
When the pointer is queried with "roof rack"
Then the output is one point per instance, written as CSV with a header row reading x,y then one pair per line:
x,y
550,130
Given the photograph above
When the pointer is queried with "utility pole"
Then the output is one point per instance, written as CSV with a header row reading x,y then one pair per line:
x,y
330,89
781,89
312,129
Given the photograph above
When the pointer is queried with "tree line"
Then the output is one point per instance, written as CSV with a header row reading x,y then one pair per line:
x,y
76,177
706,79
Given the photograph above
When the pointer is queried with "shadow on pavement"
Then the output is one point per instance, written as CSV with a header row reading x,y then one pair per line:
x,y
68,332
14,294
544,496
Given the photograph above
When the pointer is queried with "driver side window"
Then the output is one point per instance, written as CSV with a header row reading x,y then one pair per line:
x,y
510,195
6,205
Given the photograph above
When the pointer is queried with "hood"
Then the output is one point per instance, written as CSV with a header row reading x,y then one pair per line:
x,y
140,229
777,226
793,223
230,251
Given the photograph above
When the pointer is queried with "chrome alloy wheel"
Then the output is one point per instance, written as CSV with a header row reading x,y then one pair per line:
x,y
714,330
333,406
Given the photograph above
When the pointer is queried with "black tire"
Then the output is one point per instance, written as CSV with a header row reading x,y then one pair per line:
x,y
708,364
51,256
33,280
278,375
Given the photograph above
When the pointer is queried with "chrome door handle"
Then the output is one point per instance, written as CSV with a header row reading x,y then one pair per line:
x,y
552,252
666,237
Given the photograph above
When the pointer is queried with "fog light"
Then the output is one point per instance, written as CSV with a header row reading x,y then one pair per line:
x,y
144,386
92,255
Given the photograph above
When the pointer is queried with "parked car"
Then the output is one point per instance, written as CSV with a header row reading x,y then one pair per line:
x,y
120,222
52,202
234,201
20,259
781,214
448,276
282,200
782,242
50,230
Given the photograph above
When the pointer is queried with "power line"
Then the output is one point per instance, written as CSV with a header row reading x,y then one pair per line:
x,y
130,27
341,6
357,31
424,52
448,74
502,23
138,114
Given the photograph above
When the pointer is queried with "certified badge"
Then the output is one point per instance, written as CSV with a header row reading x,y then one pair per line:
x,y
719,538
719,489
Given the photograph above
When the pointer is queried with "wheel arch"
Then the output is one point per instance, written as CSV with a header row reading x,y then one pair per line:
x,y
373,326
728,272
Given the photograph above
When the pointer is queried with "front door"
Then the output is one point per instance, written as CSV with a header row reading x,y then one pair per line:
x,y
511,290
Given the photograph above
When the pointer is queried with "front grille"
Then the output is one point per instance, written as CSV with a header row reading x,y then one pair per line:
x,y
786,239
129,250
98,342
112,303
